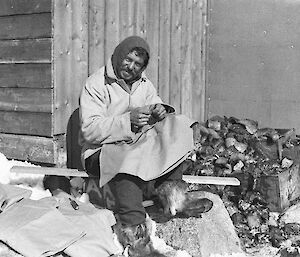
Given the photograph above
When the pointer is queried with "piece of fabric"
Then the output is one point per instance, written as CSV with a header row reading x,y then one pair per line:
x,y
155,151
37,228
125,47
11,194
96,223
51,225
105,109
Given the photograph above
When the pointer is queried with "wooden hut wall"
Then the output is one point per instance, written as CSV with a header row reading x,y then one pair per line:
x,y
25,67
49,47
175,31
25,81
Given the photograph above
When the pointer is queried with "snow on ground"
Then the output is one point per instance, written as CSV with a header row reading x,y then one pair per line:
x,y
32,182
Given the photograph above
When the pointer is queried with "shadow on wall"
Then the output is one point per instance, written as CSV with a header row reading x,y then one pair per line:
x,y
73,148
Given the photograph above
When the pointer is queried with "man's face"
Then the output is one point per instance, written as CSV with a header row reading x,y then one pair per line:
x,y
131,67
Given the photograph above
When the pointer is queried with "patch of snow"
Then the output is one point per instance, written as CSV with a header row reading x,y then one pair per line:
x,y
32,182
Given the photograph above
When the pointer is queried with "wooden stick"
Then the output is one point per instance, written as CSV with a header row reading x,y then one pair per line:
x,y
209,180
49,171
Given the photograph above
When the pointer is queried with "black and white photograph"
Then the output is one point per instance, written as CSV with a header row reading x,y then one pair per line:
x,y
149,128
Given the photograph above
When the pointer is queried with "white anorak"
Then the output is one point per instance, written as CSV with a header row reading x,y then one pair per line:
x,y
105,106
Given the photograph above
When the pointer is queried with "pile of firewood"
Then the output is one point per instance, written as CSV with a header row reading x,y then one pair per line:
x,y
239,148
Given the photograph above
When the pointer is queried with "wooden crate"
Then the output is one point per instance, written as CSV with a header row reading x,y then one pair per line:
x,y
279,190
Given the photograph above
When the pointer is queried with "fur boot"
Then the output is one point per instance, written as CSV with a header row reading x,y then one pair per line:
x,y
174,198
136,239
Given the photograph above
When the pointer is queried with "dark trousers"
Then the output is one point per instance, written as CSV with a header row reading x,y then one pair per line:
x,y
128,191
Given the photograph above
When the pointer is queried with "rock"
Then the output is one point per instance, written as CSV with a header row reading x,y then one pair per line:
x,y
212,235
291,215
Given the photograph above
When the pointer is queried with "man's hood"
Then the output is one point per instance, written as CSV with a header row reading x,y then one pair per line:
x,y
125,47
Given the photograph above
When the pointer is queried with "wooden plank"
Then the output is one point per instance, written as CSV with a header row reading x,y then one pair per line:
x,y
30,148
208,180
49,171
25,123
124,19
141,13
211,180
33,75
112,27
132,16
20,51
198,59
152,28
127,18
25,26
70,58
96,35
26,99
164,50
186,56
10,7
175,57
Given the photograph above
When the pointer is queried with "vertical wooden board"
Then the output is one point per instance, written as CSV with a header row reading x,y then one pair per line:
x,y
127,20
132,16
32,75
198,59
152,37
70,57
112,17
96,35
62,62
25,123
164,64
175,55
60,151
80,50
186,51
141,12
31,50
25,26
124,19
10,7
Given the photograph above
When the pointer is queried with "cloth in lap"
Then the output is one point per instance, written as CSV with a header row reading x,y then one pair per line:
x,y
37,228
155,151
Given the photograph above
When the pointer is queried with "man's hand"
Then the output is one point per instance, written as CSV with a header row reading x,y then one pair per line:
x,y
158,112
139,117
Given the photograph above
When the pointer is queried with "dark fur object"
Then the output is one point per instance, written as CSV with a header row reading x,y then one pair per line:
x,y
173,196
